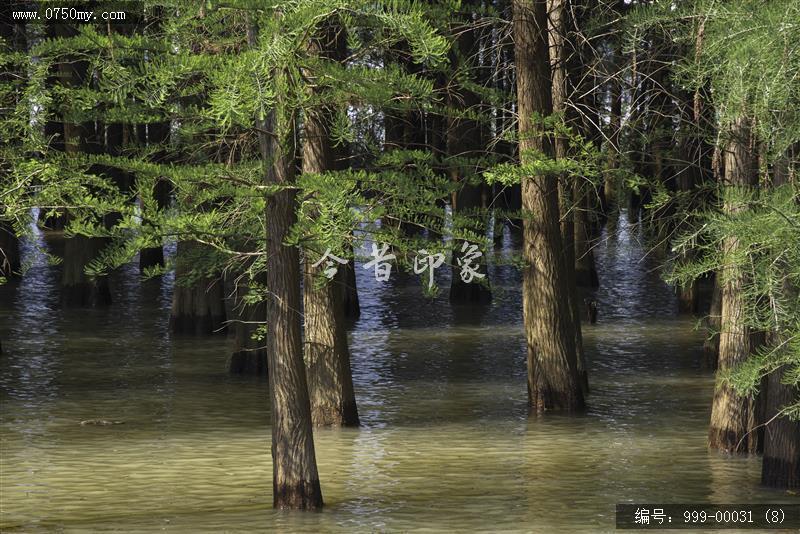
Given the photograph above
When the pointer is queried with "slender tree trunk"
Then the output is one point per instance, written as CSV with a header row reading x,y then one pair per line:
x,y
157,135
553,382
557,31
295,482
732,415
330,380
465,143
295,479
614,127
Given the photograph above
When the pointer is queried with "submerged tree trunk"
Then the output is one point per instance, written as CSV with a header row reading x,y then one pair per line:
x,y
346,282
330,379
732,416
568,187
249,356
553,382
295,482
198,306
77,288
295,479
465,143
781,463
157,135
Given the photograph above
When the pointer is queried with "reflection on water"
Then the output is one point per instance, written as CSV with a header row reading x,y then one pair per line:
x,y
446,442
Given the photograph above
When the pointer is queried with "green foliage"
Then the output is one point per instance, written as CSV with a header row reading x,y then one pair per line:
x,y
767,259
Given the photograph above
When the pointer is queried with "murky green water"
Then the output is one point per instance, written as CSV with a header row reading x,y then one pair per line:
x,y
446,444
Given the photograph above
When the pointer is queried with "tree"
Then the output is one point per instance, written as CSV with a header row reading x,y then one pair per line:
x,y
330,379
553,382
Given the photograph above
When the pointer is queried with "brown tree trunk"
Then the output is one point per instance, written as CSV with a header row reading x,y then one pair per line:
x,y
77,288
249,356
557,32
330,380
198,305
295,482
732,415
781,463
465,143
295,479
553,381
157,135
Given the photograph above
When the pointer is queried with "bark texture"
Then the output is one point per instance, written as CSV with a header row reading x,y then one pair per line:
x,y
553,382
781,462
295,479
569,188
733,416
330,379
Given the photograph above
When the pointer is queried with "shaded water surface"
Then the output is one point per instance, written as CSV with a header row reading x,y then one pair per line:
x,y
446,443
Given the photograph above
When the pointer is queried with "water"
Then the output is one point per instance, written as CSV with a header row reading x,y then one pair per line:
x,y
446,443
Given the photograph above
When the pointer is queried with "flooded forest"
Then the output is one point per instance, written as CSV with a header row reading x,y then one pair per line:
x,y
392,266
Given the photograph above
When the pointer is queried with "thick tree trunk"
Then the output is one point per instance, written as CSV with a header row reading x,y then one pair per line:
x,y
781,463
330,379
295,479
198,307
553,382
77,288
732,416
561,87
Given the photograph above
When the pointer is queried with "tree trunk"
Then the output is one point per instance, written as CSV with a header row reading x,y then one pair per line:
x,y
346,282
781,463
330,380
157,135
77,288
553,382
295,479
465,143
198,306
732,415
568,186
249,356
9,251
295,482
